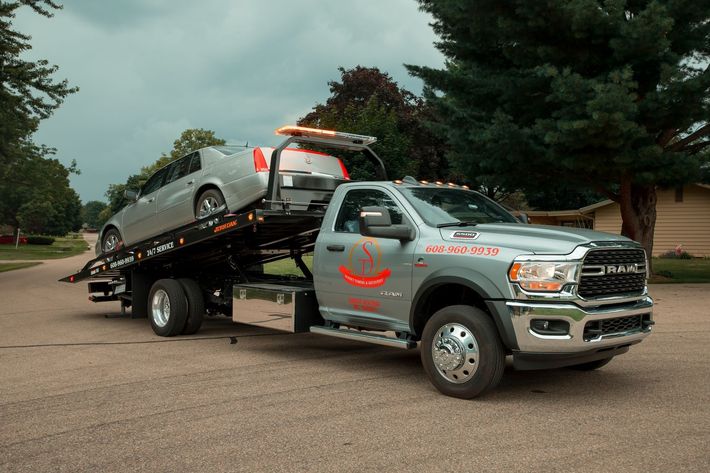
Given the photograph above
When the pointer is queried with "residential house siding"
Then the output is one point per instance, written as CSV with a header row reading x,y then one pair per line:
x,y
685,223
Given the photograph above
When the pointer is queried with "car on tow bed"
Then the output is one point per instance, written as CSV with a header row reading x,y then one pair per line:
x,y
195,186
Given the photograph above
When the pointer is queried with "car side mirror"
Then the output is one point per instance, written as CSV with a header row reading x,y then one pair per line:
x,y
523,217
130,194
376,222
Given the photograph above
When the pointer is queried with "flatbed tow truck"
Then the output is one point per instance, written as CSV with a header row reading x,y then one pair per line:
x,y
388,270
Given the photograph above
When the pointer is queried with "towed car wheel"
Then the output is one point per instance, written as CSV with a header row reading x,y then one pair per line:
x,y
111,241
208,203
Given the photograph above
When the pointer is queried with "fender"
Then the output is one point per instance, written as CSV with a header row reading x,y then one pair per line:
x,y
478,283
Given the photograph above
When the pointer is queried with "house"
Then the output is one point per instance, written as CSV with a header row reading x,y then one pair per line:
x,y
682,218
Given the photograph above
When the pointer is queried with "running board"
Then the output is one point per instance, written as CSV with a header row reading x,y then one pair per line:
x,y
364,337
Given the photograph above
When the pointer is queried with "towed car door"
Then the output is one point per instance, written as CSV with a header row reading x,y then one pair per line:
x,y
175,197
139,217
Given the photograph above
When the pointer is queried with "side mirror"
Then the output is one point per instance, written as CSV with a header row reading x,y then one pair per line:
x,y
523,217
376,222
130,194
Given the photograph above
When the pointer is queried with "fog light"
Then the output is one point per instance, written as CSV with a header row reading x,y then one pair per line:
x,y
550,327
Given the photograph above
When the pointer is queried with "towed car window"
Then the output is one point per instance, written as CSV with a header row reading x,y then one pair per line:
x,y
155,182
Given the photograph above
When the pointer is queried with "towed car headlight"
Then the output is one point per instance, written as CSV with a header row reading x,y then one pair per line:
x,y
543,276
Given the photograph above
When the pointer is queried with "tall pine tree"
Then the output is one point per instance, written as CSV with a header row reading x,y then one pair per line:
x,y
609,95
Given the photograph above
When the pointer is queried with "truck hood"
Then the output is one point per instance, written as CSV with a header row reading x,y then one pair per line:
x,y
537,239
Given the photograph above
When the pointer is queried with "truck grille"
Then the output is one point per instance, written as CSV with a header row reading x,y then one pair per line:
x,y
613,272
597,328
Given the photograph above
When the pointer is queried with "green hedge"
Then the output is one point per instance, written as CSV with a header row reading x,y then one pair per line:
x,y
40,240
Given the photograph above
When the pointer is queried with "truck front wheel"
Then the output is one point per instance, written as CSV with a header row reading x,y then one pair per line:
x,y
167,307
461,352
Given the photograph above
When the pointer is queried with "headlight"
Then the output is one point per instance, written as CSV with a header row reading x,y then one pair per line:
x,y
543,276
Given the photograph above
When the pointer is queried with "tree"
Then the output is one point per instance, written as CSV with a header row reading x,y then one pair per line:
x,y
190,140
607,95
34,191
367,101
90,213
36,196
28,92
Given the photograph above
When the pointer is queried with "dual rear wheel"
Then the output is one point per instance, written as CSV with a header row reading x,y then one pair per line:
x,y
175,307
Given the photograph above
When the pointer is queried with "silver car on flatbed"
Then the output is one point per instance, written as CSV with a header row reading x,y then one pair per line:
x,y
196,185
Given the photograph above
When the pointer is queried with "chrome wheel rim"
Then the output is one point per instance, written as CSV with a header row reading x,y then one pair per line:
x,y
111,242
160,308
207,207
455,353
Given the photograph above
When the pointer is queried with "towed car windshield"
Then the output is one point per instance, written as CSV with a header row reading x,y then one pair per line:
x,y
443,207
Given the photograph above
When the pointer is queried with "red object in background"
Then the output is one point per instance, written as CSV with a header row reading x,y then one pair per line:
x,y
10,240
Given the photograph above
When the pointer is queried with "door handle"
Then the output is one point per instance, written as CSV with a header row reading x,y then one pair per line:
x,y
189,183
151,200
335,247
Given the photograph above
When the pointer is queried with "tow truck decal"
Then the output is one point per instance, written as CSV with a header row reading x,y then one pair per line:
x,y
363,269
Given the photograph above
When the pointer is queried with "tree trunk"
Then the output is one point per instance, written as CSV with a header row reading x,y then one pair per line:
x,y
638,214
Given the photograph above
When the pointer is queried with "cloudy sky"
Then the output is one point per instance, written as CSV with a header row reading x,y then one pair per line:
x,y
148,69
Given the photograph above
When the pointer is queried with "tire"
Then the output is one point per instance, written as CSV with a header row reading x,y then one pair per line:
x,y
592,365
207,203
460,330
167,307
195,306
111,241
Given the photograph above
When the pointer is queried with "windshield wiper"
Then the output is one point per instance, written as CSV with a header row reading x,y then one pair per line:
x,y
456,224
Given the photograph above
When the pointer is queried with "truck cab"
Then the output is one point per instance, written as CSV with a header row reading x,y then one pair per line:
x,y
445,266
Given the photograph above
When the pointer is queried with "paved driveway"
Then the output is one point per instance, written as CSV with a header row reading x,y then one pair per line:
x,y
79,392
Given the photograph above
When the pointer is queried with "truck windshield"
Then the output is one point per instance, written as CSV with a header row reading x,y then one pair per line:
x,y
441,206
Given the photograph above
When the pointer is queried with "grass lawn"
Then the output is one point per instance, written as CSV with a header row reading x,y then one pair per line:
x,y
61,248
287,267
10,266
667,270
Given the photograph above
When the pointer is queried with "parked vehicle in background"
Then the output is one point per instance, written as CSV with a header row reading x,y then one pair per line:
x,y
12,239
195,186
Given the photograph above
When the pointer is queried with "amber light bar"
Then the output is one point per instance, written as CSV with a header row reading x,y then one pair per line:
x,y
291,130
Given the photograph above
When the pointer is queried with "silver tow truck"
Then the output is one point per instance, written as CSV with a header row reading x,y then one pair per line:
x,y
404,263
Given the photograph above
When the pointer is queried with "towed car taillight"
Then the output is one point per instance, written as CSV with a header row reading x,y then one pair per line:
x,y
259,161
346,175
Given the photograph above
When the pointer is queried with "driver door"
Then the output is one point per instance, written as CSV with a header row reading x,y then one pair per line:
x,y
364,281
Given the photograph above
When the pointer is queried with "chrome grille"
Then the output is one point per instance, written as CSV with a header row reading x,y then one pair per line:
x,y
628,276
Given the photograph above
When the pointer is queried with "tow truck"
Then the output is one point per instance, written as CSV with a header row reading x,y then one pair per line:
x,y
388,270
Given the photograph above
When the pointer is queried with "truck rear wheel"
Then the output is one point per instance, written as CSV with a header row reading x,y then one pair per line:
x,y
167,307
461,352
195,305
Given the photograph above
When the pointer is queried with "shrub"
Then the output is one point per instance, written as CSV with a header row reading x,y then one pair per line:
x,y
40,240
673,254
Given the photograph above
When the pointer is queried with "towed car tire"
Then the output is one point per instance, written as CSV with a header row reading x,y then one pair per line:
x,y
111,241
208,203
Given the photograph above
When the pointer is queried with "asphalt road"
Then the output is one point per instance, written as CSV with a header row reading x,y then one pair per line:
x,y
80,392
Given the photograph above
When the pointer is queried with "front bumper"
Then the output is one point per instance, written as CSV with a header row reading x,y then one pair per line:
x,y
521,314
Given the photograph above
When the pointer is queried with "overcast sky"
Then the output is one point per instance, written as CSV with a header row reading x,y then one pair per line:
x,y
148,69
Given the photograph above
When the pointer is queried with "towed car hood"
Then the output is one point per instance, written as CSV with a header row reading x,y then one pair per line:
x,y
537,239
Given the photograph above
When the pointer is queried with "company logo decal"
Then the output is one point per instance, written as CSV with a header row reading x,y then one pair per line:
x,y
465,235
364,265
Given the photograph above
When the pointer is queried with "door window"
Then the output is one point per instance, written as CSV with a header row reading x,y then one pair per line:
x,y
348,217
195,164
178,169
154,183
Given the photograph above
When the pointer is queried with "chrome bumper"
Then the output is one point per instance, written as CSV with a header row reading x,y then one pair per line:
x,y
522,313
